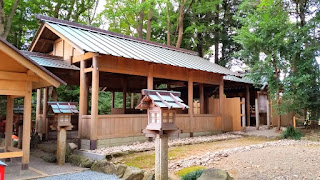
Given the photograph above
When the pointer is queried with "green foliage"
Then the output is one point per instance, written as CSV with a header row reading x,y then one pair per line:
x,y
291,133
194,175
188,170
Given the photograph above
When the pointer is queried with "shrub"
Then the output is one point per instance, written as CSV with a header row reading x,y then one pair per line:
x,y
194,175
187,170
291,133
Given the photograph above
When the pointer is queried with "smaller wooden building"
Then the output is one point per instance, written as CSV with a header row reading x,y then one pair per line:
x,y
19,75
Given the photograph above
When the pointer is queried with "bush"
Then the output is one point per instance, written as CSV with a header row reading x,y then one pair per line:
x,y
194,175
291,133
187,170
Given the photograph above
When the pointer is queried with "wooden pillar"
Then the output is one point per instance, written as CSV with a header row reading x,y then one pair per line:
x,y
84,96
132,101
9,122
45,112
113,97
38,110
268,114
201,97
190,103
221,96
243,112
26,126
294,122
257,113
150,77
61,146
124,95
248,104
94,104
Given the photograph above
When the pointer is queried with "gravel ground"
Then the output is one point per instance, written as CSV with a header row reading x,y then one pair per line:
x,y
285,162
85,175
139,147
262,132
211,157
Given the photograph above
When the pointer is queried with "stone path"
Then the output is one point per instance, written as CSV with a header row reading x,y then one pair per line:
x,y
139,147
85,175
37,168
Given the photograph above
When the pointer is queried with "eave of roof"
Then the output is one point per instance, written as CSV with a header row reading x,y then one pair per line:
x,y
34,63
50,60
236,79
92,39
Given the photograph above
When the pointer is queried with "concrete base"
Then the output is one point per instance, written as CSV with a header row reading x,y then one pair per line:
x,y
161,157
61,146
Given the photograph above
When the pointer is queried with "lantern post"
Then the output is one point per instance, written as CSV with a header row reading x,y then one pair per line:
x,y
161,108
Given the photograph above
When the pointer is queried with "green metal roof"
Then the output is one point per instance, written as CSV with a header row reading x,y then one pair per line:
x,y
49,61
90,39
236,79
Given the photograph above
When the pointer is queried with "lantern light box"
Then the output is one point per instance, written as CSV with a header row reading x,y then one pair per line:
x,y
62,113
161,106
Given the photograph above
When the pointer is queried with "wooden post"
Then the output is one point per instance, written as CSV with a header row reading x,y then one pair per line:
x,y
83,99
257,113
161,159
201,97
248,104
268,114
45,112
221,96
150,77
94,103
26,126
113,97
243,112
132,101
38,110
190,103
294,122
61,146
9,122
20,135
124,95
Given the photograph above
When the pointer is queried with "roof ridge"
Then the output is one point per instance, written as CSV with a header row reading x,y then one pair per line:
x,y
118,35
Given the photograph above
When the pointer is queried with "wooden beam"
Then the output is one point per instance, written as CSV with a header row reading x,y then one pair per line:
x,y
201,95
12,92
45,112
17,76
90,69
83,57
6,155
150,77
38,109
248,104
37,37
26,126
94,103
9,122
84,96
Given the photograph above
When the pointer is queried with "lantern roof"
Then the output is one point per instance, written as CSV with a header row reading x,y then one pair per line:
x,y
162,99
64,107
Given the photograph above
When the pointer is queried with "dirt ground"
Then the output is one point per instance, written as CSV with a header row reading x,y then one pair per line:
x,y
279,162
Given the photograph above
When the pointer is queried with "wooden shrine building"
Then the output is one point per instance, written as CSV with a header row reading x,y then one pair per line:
x,y
19,75
99,60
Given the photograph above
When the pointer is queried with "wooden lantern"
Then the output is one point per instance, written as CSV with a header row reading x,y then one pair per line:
x,y
62,114
161,106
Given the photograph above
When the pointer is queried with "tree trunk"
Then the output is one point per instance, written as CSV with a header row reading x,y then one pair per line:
x,y
216,36
168,25
2,15
70,10
199,44
140,22
9,20
180,23
56,10
149,24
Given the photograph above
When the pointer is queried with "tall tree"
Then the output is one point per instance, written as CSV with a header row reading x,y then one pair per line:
x,y
7,18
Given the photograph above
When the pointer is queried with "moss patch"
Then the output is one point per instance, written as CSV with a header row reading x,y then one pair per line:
x,y
140,160
188,170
